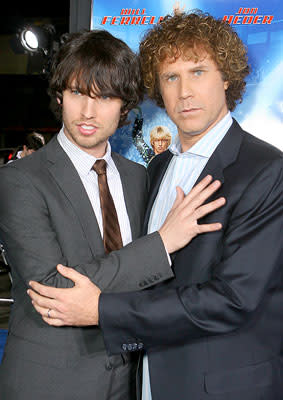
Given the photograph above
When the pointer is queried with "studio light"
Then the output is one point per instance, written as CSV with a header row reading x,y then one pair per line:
x,y
29,40
40,43
37,38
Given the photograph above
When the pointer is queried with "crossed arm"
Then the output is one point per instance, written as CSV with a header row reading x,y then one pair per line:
x,y
35,246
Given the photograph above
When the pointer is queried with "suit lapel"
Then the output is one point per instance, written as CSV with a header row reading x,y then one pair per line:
x,y
156,174
67,178
128,181
224,155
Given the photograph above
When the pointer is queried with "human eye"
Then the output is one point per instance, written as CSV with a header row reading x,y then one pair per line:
x,y
172,78
76,92
198,72
102,97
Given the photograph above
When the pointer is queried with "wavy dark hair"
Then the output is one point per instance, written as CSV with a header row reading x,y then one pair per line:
x,y
100,64
188,35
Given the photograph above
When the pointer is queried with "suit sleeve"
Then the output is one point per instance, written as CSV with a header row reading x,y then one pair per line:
x,y
33,247
251,259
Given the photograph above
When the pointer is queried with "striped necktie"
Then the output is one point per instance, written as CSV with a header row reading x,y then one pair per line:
x,y
112,238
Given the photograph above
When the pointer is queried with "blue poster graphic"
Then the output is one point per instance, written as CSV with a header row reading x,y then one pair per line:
x,y
260,26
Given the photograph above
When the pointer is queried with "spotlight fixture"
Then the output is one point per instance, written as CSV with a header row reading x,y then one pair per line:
x,y
37,38
29,40
40,43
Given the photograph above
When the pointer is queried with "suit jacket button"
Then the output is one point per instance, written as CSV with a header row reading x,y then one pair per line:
x,y
124,347
130,347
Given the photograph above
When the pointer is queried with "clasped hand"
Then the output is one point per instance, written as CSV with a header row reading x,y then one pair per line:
x,y
76,306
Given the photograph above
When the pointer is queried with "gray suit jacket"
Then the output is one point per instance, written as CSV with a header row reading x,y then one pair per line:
x,y
46,218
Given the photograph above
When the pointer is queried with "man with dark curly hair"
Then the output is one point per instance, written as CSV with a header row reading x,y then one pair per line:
x,y
215,330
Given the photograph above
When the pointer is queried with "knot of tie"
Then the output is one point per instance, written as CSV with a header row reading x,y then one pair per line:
x,y
100,167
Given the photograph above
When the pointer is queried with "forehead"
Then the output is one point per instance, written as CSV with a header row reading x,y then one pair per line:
x,y
89,88
191,58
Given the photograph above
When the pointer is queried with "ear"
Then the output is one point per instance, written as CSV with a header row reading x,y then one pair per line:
x,y
59,101
226,85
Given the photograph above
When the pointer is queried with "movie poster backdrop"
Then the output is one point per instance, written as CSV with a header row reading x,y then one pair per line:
x,y
259,24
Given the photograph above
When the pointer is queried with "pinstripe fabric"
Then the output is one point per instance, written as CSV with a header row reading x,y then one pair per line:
x,y
112,239
83,162
183,170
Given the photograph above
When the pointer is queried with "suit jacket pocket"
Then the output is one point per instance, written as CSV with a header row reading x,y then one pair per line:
x,y
244,378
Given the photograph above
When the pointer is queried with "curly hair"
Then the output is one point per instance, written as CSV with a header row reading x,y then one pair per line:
x,y
100,64
187,35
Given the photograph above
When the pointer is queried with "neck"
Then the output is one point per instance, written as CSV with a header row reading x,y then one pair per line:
x,y
188,141
98,151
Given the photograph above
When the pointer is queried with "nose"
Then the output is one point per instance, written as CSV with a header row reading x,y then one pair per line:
x,y
88,109
185,89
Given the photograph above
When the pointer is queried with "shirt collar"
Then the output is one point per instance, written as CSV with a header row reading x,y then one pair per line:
x,y
208,143
19,153
83,162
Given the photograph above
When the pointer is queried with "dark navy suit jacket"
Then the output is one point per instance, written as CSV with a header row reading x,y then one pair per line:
x,y
215,331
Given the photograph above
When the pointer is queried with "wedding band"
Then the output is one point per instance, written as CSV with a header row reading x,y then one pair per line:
x,y
48,313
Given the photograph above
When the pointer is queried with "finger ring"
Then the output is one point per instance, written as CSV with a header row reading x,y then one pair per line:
x,y
48,313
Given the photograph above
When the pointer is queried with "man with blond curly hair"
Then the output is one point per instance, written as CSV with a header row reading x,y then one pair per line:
x,y
215,330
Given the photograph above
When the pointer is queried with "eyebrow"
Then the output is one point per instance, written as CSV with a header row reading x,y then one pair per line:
x,y
167,74
200,65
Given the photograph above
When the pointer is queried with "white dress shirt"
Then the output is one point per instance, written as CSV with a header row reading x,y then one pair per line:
x,y
83,163
183,170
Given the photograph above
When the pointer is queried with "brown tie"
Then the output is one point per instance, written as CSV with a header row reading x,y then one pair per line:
x,y
111,230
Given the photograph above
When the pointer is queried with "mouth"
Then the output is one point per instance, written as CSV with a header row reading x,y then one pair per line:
x,y
87,130
188,111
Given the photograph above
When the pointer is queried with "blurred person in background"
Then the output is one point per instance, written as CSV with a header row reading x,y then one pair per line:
x,y
33,142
